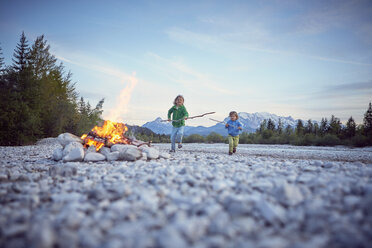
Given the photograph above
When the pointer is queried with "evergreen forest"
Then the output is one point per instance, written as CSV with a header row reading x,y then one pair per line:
x,y
38,97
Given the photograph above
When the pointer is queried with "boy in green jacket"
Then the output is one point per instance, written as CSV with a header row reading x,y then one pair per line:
x,y
179,116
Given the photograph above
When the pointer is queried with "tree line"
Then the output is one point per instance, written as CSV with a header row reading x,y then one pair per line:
x,y
327,133
38,98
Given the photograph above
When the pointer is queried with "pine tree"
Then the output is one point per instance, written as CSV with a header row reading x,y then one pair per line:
x,y
280,126
263,126
350,129
335,125
288,130
270,125
40,59
367,120
21,54
323,126
2,64
25,90
299,128
309,128
316,128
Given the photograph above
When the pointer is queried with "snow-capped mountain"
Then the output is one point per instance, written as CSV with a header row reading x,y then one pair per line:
x,y
250,121
159,127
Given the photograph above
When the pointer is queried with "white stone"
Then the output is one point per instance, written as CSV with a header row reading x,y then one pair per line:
x,y
130,154
91,148
169,237
57,154
121,147
68,148
272,213
112,156
104,150
289,194
66,138
328,165
94,157
64,170
164,155
144,156
76,154
151,152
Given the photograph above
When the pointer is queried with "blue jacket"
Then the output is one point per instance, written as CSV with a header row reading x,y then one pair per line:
x,y
232,129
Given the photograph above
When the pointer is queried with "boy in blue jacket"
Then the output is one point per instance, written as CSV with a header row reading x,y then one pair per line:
x,y
234,128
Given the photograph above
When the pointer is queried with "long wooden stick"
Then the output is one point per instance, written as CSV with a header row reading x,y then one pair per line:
x,y
192,117
224,122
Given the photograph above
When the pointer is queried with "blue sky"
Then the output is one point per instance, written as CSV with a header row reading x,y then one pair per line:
x,y
306,59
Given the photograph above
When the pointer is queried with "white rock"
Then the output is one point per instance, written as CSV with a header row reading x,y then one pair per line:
x,y
328,165
144,156
289,194
351,201
57,154
169,237
91,148
64,170
121,147
68,148
164,155
66,138
104,150
112,156
151,152
130,154
219,185
41,234
272,213
76,154
94,157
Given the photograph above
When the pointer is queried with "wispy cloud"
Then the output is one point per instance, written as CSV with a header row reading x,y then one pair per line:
x,y
222,43
189,77
350,87
322,16
82,61
296,34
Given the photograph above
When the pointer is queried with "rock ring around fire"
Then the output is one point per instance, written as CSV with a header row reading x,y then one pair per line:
x,y
72,150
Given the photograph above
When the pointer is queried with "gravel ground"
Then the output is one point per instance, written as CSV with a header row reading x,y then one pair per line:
x,y
263,196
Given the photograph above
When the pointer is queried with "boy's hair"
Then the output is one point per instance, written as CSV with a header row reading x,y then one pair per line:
x,y
234,113
175,99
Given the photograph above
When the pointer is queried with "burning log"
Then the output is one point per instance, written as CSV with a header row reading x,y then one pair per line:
x,y
109,134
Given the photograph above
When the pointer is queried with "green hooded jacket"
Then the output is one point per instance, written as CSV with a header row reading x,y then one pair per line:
x,y
178,113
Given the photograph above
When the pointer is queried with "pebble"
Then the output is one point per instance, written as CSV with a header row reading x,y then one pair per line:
x,y
263,196
93,156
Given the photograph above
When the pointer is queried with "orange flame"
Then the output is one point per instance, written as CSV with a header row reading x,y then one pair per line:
x,y
109,133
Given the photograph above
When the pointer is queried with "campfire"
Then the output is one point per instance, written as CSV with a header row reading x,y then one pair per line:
x,y
109,134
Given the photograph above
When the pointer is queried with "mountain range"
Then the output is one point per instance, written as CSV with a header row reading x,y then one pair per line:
x,y
250,121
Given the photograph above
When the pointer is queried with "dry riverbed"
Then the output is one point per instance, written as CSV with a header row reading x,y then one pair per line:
x,y
263,196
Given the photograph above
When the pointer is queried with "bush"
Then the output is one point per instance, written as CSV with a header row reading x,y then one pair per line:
x,y
215,138
328,140
246,138
194,138
359,141
267,134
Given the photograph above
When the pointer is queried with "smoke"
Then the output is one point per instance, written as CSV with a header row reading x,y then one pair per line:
x,y
121,106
